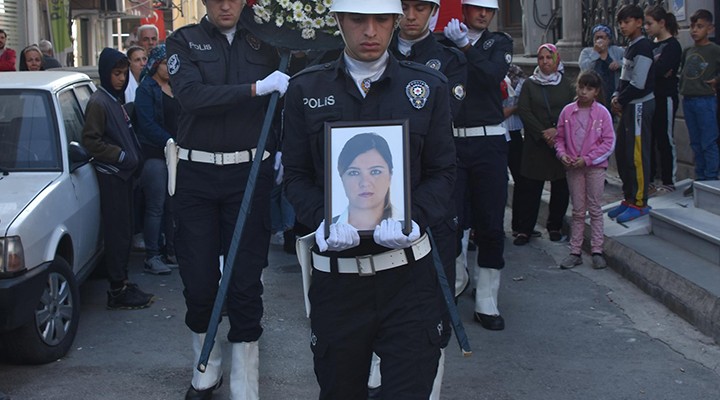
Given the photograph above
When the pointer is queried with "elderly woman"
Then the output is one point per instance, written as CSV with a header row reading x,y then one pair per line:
x,y
604,58
542,99
31,59
157,112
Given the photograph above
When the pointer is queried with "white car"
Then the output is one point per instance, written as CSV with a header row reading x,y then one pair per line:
x,y
50,237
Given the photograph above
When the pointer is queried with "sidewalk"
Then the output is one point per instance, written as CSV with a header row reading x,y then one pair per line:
x,y
669,272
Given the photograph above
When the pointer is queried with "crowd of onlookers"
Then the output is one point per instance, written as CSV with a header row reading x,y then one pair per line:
x,y
624,102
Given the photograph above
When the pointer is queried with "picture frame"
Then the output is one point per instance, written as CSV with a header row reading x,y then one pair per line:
x,y
363,160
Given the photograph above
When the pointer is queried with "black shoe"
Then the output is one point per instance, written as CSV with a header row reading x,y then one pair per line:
x,y
533,234
205,394
555,236
490,322
374,393
130,297
289,241
521,239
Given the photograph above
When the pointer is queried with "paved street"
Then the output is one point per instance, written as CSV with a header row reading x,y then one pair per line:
x,y
579,334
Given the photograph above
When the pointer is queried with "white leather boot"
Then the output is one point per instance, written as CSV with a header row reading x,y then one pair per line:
x,y
375,379
213,371
244,372
488,283
437,383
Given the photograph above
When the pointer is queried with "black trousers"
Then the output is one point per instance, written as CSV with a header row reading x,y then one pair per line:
x,y
632,151
663,156
394,313
514,163
116,208
529,204
207,202
482,175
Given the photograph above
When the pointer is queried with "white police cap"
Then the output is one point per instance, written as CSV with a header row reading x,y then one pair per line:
x,y
367,6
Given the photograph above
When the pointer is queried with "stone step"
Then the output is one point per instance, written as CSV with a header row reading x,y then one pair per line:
x,y
693,229
707,196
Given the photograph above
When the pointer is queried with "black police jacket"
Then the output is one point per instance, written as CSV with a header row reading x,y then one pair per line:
x,y
326,93
212,81
488,63
448,60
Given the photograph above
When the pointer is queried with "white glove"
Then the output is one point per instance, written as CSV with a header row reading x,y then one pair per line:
x,y
277,81
457,32
278,167
342,237
389,234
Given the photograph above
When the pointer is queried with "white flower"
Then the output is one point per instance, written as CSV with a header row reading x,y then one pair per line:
x,y
279,21
308,33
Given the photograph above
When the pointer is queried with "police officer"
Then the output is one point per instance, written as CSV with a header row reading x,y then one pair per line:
x,y
415,42
219,73
482,147
375,293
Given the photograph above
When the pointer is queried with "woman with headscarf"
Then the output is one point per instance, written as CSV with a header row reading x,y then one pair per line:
x,y
31,59
604,58
543,97
157,113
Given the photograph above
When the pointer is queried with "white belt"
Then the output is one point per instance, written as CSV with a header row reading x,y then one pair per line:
x,y
367,265
487,130
236,157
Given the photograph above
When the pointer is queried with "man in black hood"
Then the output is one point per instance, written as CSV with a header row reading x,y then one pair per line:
x,y
109,137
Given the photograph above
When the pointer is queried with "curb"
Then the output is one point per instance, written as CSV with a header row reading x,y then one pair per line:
x,y
683,297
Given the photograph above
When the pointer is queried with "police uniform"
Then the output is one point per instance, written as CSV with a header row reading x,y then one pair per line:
x,y
482,148
219,129
393,312
452,63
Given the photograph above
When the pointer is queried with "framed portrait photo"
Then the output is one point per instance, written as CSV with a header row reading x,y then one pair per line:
x,y
367,174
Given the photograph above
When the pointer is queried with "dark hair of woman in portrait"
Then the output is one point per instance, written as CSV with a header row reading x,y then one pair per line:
x,y
362,159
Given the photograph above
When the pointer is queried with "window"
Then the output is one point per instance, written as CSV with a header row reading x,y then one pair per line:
x,y
511,14
72,116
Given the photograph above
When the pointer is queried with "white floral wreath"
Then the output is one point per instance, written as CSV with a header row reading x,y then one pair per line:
x,y
306,16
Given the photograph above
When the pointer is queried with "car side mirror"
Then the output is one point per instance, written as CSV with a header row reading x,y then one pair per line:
x,y
78,156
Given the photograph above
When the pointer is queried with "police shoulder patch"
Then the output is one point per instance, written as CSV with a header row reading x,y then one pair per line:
x,y
417,92
434,64
173,64
458,91
508,58
253,41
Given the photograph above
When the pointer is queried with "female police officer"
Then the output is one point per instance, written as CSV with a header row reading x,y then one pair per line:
x,y
371,294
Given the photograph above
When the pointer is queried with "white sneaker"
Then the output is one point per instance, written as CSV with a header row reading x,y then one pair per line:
x,y
571,261
138,242
277,238
156,266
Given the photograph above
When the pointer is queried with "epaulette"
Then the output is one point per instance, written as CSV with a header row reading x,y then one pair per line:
x,y
185,27
423,68
507,35
314,68
459,55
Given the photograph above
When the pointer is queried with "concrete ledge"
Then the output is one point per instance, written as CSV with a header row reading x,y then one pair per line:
x,y
690,301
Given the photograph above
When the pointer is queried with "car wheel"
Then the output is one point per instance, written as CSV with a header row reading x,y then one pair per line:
x,y
49,335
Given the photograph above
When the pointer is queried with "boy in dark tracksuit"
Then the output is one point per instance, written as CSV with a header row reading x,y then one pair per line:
x,y
109,138
634,101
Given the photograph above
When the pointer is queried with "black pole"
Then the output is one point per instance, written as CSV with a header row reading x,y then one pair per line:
x,y
240,224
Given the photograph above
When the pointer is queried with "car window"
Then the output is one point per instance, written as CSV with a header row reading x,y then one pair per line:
x,y
83,93
72,116
28,132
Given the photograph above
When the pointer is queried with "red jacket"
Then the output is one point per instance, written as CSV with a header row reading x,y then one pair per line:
x,y
7,60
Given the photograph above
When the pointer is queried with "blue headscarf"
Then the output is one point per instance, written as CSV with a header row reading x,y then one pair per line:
x,y
604,28
156,56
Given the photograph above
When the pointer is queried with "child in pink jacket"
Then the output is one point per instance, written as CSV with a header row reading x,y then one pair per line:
x,y
584,142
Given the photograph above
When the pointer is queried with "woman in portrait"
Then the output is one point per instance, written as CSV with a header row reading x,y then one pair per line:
x,y
31,59
365,167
